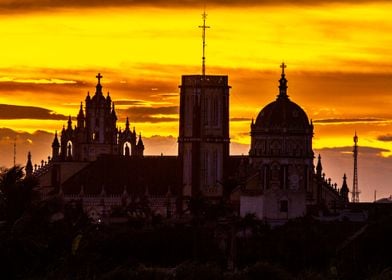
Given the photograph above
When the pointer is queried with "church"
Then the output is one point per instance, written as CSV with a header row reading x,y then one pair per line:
x,y
104,167
281,181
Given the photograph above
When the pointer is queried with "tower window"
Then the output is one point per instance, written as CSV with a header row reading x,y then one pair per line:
x,y
284,206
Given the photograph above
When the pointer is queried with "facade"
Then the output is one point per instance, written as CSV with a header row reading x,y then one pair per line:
x,y
281,182
104,167
96,132
203,142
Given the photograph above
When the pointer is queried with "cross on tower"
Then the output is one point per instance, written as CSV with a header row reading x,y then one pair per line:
x,y
204,27
283,66
99,77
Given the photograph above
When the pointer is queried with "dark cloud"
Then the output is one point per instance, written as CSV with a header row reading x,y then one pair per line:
x,y
28,5
240,119
385,138
359,120
8,112
129,102
149,114
349,150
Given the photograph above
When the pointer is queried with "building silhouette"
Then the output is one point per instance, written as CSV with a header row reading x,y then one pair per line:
x,y
96,132
203,141
103,167
281,181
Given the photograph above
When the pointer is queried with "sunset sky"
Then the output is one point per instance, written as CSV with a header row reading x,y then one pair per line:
x,y
339,59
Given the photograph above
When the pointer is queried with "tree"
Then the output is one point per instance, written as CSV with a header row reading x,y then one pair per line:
x,y
15,193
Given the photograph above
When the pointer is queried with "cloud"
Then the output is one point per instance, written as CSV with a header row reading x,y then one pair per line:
x,y
339,121
39,143
150,114
385,138
31,5
129,102
8,112
349,149
240,119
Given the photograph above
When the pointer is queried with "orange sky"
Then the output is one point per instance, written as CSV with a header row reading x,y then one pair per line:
x,y
338,56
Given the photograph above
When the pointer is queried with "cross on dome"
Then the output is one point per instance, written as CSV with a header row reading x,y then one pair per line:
x,y
99,77
283,66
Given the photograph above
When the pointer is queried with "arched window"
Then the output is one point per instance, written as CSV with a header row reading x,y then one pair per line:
x,y
127,149
69,148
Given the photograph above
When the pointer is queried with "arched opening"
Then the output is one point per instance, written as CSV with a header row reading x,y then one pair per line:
x,y
69,149
127,149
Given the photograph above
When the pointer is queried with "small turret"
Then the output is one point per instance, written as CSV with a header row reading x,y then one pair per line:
x,y
69,127
113,113
319,167
127,124
140,146
80,117
29,166
88,98
344,191
55,147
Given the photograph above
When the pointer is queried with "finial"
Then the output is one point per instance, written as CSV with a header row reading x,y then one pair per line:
x,y
283,82
283,66
99,77
204,27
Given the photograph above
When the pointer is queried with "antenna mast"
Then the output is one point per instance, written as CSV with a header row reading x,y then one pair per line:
x,y
204,27
355,192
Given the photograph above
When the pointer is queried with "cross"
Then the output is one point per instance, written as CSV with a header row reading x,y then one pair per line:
x,y
99,76
204,27
283,66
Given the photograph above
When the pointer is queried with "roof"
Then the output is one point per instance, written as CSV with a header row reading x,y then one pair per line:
x,y
282,114
155,174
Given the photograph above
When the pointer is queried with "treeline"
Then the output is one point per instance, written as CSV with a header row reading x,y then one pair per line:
x,y
50,240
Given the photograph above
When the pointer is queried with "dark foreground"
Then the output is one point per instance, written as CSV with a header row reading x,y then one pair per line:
x,y
44,245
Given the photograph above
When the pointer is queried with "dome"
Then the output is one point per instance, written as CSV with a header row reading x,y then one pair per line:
x,y
282,114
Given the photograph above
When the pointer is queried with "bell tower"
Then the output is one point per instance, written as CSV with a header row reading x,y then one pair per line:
x,y
203,142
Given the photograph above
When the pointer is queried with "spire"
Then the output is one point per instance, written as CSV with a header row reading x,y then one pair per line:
x,y
127,124
69,122
55,147
344,189
56,143
81,113
114,112
29,165
319,167
140,141
88,98
204,27
283,83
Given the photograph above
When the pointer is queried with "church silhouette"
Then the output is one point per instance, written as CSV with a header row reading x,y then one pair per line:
x,y
104,168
